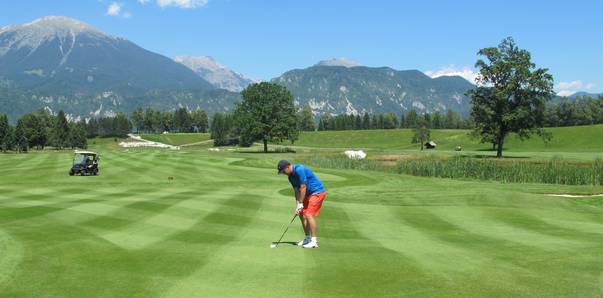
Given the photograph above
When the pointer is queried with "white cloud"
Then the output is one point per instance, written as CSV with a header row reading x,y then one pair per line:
x,y
566,93
450,70
574,85
188,4
569,88
114,9
143,2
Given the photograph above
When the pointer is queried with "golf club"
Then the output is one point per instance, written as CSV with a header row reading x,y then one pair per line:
x,y
274,245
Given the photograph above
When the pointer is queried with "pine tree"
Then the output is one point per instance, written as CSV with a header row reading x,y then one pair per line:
x,y
92,128
4,132
199,120
77,135
306,119
9,139
137,119
411,119
60,131
21,142
182,120
366,121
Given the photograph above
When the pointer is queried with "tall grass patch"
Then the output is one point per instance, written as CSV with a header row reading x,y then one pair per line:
x,y
342,162
555,171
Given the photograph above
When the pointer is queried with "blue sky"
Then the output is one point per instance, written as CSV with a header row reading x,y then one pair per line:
x,y
266,38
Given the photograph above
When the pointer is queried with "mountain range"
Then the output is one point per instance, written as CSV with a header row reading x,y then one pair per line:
x,y
336,88
62,63
59,63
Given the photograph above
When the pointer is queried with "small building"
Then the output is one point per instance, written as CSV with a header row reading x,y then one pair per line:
x,y
430,145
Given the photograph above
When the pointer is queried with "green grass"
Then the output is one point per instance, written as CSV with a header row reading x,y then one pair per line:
x,y
565,139
133,232
177,139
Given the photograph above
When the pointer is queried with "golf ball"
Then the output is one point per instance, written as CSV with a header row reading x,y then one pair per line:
x,y
272,245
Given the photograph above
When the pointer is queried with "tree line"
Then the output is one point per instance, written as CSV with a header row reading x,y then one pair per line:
x,y
181,120
40,129
583,110
411,119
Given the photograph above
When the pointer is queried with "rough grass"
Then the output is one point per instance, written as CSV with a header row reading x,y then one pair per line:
x,y
133,231
552,172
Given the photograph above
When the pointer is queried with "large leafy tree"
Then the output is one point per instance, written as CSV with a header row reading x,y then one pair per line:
x,y
266,114
511,94
35,131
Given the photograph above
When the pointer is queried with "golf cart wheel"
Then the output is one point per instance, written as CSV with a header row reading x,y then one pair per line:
x,y
71,173
95,173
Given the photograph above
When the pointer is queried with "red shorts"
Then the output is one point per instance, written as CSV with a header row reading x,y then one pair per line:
x,y
312,204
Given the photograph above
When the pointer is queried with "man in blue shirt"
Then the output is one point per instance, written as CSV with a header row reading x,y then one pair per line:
x,y
309,194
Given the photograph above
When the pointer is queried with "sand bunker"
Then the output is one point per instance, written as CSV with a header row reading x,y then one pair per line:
x,y
573,195
136,142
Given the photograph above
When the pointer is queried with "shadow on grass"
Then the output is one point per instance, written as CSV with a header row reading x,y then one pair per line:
x,y
494,156
286,242
269,152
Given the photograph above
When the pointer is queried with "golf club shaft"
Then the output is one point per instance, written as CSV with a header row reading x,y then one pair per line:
x,y
283,235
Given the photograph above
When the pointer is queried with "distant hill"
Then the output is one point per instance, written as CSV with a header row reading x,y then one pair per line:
x,y
60,55
215,73
585,94
358,89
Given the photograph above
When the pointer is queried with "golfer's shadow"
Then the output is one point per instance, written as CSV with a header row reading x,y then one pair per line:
x,y
285,242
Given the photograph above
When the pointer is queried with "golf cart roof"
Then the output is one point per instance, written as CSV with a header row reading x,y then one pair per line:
x,y
85,152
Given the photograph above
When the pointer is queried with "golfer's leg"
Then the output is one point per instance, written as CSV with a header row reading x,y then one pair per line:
x,y
304,223
311,225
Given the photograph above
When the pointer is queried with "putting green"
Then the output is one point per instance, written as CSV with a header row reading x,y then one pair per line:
x,y
206,231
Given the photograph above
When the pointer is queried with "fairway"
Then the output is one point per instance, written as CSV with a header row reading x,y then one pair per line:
x,y
206,232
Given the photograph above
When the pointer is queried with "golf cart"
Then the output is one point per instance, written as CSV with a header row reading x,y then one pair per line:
x,y
85,163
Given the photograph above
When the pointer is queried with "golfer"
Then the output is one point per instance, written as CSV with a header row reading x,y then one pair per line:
x,y
309,194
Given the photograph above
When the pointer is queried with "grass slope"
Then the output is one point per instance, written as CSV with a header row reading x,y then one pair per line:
x,y
565,139
177,139
133,232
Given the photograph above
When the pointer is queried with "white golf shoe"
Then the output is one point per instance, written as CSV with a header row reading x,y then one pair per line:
x,y
311,244
304,242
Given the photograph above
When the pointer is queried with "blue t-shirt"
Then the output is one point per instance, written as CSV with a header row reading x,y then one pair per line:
x,y
303,175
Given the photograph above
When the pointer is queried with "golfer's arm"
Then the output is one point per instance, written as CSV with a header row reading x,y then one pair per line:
x,y
302,193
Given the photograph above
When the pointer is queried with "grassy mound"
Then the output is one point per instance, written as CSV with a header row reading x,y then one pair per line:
x,y
177,139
